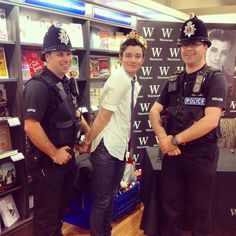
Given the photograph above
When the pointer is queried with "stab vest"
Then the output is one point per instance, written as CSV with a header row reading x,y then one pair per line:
x,y
186,103
61,126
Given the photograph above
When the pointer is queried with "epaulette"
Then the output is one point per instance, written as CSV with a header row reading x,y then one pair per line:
x,y
175,75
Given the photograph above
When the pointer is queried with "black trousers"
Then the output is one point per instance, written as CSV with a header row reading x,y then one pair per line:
x,y
189,179
52,189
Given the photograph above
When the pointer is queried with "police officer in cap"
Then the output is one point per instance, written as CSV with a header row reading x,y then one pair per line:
x,y
52,123
185,119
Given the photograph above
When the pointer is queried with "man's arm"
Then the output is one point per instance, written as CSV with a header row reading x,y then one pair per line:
x,y
99,124
203,126
165,141
84,124
39,138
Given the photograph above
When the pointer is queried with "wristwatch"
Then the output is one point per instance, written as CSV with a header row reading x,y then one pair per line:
x,y
174,141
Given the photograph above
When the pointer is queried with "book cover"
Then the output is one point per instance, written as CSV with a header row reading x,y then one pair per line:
x,y
3,64
94,68
3,25
74,69
75,33
95,38
104,70
5,139
104,39
3,102
119,39
114,64
30,63
9,174
8,210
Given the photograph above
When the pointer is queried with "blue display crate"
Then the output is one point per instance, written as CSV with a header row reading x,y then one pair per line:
x,y
80,206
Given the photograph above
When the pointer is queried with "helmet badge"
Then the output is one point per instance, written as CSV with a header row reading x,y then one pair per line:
x,y
63,36
189,29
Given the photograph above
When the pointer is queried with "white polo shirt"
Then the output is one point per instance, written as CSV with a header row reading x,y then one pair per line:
x,y
116,97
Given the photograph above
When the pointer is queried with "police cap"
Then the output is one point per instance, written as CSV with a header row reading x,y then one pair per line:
x,y
55,39
193,30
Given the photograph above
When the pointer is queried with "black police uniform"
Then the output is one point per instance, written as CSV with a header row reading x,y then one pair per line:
x,y
184,98
52,183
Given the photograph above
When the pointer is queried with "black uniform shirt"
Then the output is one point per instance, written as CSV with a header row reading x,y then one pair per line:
x,y
215,90
38,100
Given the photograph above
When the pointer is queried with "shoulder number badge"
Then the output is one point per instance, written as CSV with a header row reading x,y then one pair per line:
x,y
189,29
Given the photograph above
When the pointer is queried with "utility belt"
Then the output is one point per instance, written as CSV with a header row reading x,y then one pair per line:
x,y
37,161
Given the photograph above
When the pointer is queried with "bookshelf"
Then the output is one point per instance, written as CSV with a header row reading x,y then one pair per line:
x,y
18,26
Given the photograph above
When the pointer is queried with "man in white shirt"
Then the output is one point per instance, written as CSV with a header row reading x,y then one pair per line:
x,y
110,133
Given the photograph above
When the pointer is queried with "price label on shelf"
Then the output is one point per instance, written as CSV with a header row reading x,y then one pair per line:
x,y
14,121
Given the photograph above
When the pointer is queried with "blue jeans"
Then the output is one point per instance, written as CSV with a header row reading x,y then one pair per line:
x,y
107,174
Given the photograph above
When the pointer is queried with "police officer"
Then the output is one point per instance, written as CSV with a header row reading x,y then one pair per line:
x,y
52,125
190,108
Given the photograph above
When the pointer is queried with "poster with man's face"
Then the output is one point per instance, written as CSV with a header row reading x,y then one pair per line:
x,y
221,56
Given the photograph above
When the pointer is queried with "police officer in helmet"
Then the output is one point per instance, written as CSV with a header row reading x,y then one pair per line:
x,y
185,119
52,123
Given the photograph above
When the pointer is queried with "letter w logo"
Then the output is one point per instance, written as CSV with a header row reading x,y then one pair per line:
x,y
166,32
233,105
174,52
143,140
148,32
233,211
146,70
156,52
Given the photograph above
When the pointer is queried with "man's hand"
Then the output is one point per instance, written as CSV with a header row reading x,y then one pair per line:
x,y
167,147
61,156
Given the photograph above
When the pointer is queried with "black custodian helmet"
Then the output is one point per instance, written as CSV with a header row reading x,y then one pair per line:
x,y
193,30
55,39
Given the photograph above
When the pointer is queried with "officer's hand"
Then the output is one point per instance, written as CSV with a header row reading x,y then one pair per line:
x,y
174,152
62,156
167,147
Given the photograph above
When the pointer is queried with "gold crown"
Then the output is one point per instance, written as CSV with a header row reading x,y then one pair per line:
x,y
134,35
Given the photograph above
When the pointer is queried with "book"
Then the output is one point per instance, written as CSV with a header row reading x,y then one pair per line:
x,y
94,38
3,25
75,34
8,210
114,64
94,68
8,174
3,102
119,39
30,63
104,39
5,139
8,153
74,69
104,70
3,64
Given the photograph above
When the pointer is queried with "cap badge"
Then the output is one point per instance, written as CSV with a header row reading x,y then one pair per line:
x,y
63,36
189,29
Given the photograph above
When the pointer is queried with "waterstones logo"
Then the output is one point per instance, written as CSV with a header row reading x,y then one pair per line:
x,y
148,31
136,126
179,68
146,70
143,141
156,52
174,53
154,88
144,108
149,126
233,105
163,72
233,211
136,157
166,34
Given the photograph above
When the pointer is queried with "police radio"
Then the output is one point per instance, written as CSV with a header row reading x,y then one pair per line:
x,y
74,87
